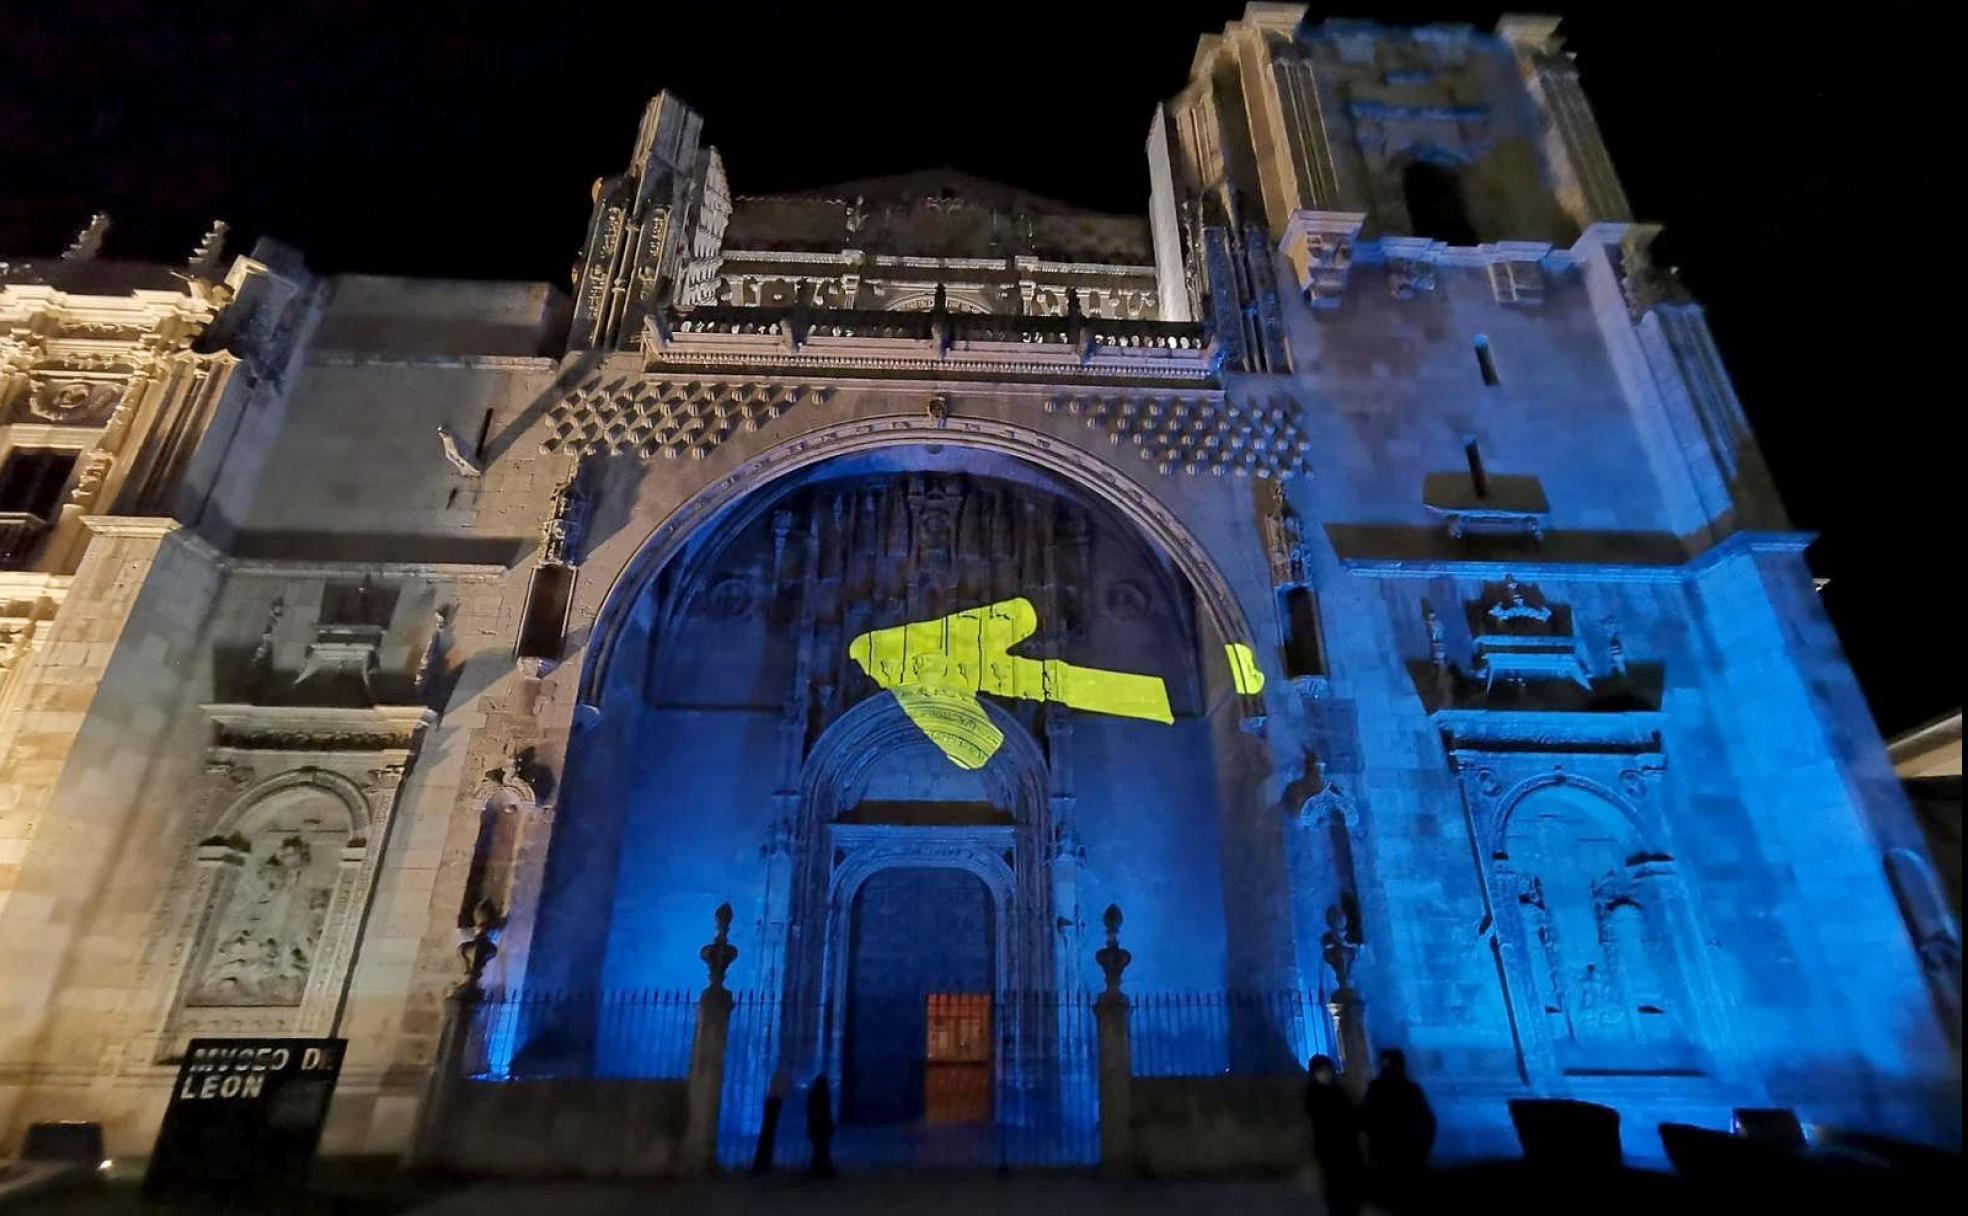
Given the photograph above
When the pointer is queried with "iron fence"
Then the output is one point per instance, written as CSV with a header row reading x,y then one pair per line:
x,y
1012,1082
1027,1097
538,1034
1216,1033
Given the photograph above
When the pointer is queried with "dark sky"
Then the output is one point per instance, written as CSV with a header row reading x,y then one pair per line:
x,y
1789,159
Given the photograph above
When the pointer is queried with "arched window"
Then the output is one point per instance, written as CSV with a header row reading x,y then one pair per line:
x,y
1436,210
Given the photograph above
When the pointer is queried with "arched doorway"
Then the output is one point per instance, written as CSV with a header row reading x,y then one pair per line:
x,y
921,978
747,749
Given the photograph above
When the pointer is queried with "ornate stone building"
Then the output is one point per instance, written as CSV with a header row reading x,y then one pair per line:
x,y
1357,569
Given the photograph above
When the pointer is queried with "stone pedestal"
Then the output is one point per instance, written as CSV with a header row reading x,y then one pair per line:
x,y
704,1097
1349,1014
447,1070
1110,1013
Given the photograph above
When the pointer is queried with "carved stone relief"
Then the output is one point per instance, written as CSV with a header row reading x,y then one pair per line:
x,y
74,402
1598,942
265,939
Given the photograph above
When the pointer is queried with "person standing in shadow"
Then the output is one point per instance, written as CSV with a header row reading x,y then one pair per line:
x,y
1335,1137
1400,1128
775,1105
820,1127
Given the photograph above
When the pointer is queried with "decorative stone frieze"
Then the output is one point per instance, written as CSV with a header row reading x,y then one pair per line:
x,y
1213,434
666,418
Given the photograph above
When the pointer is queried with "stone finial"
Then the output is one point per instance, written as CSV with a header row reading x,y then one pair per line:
x,y
210,252
88,243
719,955
1113,959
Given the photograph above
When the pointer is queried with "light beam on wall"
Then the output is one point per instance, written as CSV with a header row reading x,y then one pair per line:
x,y
1244,674
937,667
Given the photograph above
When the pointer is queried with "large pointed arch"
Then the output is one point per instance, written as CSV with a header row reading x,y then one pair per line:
x,y
1100,479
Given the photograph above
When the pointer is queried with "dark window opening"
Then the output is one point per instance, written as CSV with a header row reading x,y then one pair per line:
x,y
1436,209
32,481
1298,610
543,629
1486,362
1477,476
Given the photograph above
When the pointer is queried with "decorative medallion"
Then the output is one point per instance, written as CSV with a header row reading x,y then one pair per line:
x,y
75,402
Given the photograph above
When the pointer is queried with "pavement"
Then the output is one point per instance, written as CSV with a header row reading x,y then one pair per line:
x,y
781,1195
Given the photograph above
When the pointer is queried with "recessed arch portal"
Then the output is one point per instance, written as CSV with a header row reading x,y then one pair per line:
x,y
753,480
725,682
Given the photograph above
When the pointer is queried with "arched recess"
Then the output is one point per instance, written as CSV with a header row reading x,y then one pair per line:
x,y
837,858
1597,936
1088,473
346,793
274,903
1434,192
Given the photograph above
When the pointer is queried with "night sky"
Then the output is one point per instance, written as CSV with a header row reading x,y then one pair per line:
x,y
1792,162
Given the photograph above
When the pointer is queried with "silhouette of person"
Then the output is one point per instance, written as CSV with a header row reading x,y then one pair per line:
x,y
775,1104
1335,1137
820,1127
1400,1130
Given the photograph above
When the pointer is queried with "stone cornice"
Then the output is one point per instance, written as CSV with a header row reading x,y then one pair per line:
x,y
131,525
372,729
453,572
338,358
1531,568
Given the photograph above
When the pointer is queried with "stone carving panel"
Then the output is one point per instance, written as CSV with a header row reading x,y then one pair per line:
x,y
1588,917
267,936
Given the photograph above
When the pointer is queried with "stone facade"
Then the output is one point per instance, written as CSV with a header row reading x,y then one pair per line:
x,y
341,615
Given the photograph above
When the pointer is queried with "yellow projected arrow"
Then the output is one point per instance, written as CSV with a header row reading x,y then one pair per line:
x,y
936,669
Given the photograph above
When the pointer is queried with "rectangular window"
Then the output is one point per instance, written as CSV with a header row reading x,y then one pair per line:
x,y
543,630
1298,613
31,481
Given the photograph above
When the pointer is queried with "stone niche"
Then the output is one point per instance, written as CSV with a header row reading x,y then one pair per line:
x,y
261,925
1596,940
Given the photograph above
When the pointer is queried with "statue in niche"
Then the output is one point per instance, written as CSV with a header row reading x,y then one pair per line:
x,y
1285,538
272,923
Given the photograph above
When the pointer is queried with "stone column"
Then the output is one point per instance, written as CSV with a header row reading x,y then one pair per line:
x,y
1110,1013
705,1095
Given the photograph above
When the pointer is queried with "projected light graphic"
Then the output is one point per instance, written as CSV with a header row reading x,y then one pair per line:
x,y
1248,680
937,668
